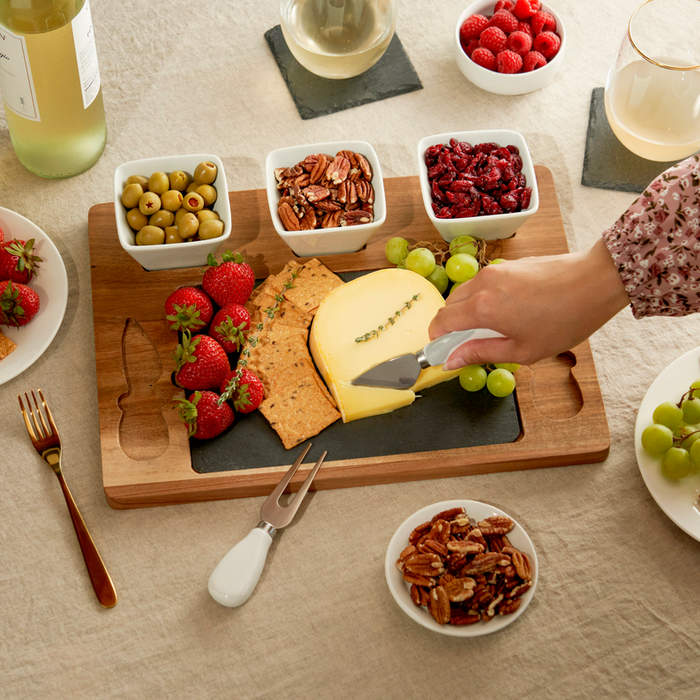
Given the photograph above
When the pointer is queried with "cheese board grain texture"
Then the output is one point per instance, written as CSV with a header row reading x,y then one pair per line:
x,y
146,457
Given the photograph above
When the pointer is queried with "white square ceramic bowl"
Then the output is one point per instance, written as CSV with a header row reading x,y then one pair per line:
x,y
489,227
166,257
502,83
325,241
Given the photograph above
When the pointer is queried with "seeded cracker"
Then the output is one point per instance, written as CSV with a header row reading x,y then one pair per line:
x,y
6,346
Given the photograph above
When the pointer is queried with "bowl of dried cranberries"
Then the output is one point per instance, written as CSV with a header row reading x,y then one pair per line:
x,y
477,183
510,47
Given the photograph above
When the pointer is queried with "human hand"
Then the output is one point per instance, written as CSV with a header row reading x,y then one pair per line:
x,y
542,305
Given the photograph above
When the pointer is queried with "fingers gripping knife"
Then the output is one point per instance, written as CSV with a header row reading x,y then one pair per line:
x,y
236,575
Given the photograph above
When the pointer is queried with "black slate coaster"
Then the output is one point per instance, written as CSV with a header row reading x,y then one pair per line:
x,y
443,417
608,165
314,96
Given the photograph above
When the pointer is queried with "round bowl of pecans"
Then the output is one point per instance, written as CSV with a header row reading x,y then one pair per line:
x,y
325,198
461,568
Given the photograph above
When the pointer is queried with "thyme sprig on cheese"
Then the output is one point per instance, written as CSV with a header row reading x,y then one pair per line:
x,y
390,322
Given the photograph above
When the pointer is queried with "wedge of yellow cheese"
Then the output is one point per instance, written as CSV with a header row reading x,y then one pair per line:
x,y
359,307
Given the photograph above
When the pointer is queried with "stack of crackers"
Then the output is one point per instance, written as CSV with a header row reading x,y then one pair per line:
x,y
297,403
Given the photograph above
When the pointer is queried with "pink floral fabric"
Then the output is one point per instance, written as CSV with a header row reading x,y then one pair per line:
x,y
656,244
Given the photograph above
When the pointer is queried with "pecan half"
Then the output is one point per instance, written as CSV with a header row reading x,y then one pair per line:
x,y
496,525
440,605
521,562
486,561
316,193
338,170
425,565
355,218
365,166
289,218
418,532
319,169
458,616
460,589
465,547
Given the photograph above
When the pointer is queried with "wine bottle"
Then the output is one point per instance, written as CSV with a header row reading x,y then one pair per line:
x,y
50,84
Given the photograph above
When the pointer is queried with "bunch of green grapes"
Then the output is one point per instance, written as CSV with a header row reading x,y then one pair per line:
x,y
674,435
498,379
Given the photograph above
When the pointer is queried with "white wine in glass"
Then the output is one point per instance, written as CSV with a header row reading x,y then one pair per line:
x,y
652,95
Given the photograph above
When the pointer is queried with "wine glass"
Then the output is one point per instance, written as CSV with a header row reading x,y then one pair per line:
x,y
338,38
652,94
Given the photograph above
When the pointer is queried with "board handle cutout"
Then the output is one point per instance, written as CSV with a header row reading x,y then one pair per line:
x,y
555,391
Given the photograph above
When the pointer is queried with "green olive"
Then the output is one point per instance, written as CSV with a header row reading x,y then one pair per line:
x,y
131,195
150,235
211,228
208,194
138,180
205,214
192,187
189,225
162,218
136,219
172,235
171,200
205,173
158,183
179,180
149,203
193,201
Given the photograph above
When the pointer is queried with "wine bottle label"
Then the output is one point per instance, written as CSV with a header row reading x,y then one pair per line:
x,y
16,82
86,53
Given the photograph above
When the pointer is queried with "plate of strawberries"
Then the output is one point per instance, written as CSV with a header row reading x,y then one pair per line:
x,y
33,293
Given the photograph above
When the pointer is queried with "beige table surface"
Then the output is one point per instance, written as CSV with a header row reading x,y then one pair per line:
x,y
616,613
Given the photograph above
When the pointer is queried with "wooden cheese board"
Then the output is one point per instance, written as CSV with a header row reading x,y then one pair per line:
x,y
146,456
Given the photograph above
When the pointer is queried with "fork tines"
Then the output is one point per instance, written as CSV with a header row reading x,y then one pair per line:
x,y
37,428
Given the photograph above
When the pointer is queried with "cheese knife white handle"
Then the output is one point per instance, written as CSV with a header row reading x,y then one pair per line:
x,y
436,352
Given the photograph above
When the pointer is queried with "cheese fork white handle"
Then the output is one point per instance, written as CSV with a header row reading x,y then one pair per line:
x,y
236,575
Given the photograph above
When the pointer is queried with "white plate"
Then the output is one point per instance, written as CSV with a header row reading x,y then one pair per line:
x,y
401,590
51,284
678,499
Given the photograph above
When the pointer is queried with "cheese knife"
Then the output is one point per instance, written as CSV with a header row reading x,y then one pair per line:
x,y
402,372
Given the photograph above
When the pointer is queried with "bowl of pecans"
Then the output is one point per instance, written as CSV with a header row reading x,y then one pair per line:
x,y
325,198
461,568
477,183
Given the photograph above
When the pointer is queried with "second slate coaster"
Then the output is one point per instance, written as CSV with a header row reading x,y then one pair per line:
x,y
608,165
314,96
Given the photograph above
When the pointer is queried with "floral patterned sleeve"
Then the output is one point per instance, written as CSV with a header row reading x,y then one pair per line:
x,y
655,244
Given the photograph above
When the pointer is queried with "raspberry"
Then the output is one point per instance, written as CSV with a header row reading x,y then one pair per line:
x,y
469,48
504,5
504,20
472,27
533,60
484,58
493,39
547,44
526,8
508,62
543,22
519,42
525,27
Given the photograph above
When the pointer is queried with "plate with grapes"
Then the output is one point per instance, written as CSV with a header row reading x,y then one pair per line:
x,y
678,498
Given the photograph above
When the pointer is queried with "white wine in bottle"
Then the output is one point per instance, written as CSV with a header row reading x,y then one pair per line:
x,y
50,84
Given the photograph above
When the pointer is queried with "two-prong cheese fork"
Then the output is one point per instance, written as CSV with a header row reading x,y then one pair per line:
x,y
44,435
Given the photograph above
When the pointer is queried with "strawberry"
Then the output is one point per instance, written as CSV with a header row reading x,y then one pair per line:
x,y
17,261
204,416
2,236
200,363
232,280
229,326
18,304
246,391
188,308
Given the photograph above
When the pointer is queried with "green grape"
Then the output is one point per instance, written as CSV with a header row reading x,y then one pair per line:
x,y
438,278
396,250
401,265
497,261
473,377
461,267
691,410
464,244
675,463
668,414
695,457
686,434
510,366
420,261
657,439
695,385
500,382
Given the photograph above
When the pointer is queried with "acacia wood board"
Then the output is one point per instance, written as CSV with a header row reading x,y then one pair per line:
x,y
146,458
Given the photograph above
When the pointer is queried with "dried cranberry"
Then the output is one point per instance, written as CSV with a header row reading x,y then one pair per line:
x,y
509,202
526,197
489,205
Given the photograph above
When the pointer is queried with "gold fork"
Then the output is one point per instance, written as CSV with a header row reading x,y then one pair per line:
x,y
47,443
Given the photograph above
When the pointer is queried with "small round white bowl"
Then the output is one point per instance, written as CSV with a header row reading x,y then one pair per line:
x,y
502,83
175,255
325,241
400,590
490,227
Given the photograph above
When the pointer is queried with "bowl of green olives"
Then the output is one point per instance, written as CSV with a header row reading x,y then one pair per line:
x,y
172,211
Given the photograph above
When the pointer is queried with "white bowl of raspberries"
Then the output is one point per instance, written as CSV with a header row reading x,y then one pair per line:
x,y
510,47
